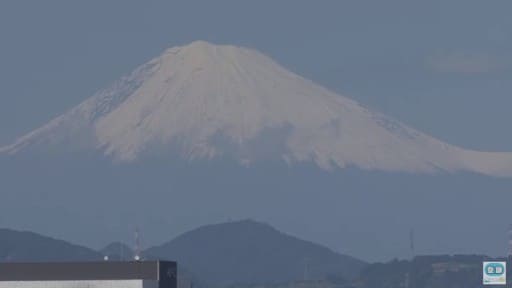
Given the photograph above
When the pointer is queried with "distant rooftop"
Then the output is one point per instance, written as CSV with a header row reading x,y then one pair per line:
x,y
144,270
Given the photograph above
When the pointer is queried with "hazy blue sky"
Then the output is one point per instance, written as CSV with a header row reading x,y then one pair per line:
x,y
444,67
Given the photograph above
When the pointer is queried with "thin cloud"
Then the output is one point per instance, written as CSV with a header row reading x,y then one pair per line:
x,y
466,63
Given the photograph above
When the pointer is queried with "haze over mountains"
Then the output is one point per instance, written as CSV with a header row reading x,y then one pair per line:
x,y
252,252
29,247
237,252
204,133
205,101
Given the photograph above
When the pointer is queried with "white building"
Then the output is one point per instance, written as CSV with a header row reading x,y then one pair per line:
x,y
151,274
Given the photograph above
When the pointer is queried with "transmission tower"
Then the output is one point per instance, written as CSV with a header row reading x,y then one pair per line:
x,y
510,240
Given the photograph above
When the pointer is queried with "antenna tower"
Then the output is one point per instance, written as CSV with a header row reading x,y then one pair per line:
x,y
138,246
412,244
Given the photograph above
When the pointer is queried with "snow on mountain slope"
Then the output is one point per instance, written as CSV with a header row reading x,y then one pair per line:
x,y
76,127
202,101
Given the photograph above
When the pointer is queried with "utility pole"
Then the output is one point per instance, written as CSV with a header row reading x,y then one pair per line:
x,y
409,281
306,269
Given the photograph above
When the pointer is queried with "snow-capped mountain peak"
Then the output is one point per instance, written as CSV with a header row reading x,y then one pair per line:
x,y
204,101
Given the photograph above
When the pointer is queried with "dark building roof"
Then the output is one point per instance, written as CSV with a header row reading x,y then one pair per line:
x,y
150,270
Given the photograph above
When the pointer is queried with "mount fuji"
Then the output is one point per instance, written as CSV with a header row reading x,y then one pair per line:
x,y
210,133
204,101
